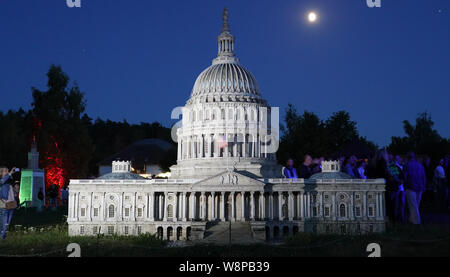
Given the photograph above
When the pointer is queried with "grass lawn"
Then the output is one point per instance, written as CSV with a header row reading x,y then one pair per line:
x,y
45,234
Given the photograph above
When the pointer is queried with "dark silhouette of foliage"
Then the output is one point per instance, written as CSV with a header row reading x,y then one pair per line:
x,y
307,134
421,138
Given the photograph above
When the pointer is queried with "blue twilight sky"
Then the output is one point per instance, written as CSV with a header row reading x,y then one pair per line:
x,y
136,59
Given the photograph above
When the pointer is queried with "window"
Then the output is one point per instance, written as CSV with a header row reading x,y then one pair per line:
x,y
169,211
139,230
81,230
83,197
343,229
371,228
358,228
370,211
127,212
139,212
370,196
342,212
111,211
140,197
83,211
357,196
110,230
126,230
326,196
327,211
95,211
358,211
342,197
127,197
314,211
95,230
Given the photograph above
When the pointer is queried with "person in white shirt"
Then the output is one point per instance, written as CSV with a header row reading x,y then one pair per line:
x,y
440,184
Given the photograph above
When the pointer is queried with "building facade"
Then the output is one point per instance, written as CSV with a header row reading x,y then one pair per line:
x,y
226,171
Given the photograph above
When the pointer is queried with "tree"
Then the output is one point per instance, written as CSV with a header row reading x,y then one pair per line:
x,y
307,134
62,134
420,138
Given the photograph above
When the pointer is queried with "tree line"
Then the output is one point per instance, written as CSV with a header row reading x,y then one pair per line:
x,y
72,144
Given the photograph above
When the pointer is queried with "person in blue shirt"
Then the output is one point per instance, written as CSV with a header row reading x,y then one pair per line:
x,y
290,171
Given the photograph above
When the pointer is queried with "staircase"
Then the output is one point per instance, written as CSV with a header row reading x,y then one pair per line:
x,y
219,233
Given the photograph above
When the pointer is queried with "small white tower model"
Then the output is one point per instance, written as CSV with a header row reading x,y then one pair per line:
x,y
121,166
331,166
32,179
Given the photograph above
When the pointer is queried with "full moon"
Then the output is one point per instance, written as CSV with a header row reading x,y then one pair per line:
x,y
312,17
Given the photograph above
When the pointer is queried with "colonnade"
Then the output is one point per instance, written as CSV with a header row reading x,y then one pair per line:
x,y
214,146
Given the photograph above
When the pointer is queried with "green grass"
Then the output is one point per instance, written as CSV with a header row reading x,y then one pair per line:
x,y
45,234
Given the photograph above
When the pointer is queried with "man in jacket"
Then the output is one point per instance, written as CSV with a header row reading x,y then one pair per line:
x,y
415,185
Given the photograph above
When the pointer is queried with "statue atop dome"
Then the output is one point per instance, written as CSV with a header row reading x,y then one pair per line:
x,y
225,16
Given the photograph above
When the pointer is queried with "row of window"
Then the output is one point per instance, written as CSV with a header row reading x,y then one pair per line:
x,y
111,212
110,230
217,114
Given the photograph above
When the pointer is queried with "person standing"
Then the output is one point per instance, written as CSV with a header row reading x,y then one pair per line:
x,y
440,185
6,196
396,188
53,195
289,171
415,185
305,168
350,166
40,197
361,170
64,195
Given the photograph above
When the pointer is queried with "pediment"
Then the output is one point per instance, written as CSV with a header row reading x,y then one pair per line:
x,y
229,178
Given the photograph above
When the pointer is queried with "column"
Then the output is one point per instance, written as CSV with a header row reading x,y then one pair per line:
x,y
291,206
233,206
280,206
165,207
151,206
175,207
364,205
352,208
244,152
300,204
222,206
205,205
179,149
252,205
320,211
271,210
194,206
263,205
183,207
213,205
235,145
243,205
202,147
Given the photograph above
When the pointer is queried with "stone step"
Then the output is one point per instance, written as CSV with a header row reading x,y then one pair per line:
x,y
219,233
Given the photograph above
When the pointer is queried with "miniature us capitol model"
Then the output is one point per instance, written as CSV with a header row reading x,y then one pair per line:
x,y
225,173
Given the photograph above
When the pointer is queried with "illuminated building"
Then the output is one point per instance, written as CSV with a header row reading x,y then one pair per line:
x,y
225,172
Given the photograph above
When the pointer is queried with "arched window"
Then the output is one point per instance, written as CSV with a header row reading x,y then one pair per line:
x,y
111,211
342,211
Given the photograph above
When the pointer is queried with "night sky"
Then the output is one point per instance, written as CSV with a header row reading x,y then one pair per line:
x,y
137,60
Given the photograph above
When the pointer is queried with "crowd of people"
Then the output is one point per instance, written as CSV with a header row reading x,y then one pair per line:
x,y
407,178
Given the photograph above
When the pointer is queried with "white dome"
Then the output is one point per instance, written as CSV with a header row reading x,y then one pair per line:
x,y
226,78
